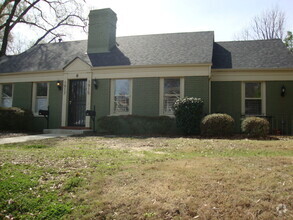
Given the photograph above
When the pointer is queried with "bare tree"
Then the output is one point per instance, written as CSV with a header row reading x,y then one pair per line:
x,y
269,25
46,17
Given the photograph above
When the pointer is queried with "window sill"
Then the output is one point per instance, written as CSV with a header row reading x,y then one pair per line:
x,y
121,114
37,115
168,115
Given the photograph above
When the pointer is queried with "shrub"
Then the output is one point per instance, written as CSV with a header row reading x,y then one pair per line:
x,y
255,127
217,125
188,113
132,124
15,119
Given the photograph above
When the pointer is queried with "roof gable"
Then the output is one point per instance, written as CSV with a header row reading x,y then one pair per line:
x,y
77,64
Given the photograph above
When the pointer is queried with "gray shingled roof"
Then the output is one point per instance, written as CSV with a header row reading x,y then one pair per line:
x,y
160,49
178,48
258,54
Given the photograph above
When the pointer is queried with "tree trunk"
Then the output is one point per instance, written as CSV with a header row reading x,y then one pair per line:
x,y
7,30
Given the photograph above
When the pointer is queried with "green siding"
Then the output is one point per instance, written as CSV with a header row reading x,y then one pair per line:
x,y
145,100
198,86
55,105
281,108
22,98
22,95
226,98
101,98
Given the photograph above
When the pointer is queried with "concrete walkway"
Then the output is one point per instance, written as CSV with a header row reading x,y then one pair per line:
x,y
30,138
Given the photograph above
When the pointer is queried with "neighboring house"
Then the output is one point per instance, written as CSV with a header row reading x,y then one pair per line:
x,y
143,75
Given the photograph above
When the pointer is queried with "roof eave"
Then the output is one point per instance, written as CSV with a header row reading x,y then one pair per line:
x,y
153,66
250,69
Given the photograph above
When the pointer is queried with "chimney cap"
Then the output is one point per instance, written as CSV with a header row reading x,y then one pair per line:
x,y
103,11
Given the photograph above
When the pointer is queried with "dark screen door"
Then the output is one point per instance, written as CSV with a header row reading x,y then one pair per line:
x,y
77,103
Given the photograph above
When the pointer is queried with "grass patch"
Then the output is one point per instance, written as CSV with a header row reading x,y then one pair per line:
x,y
23,196
35,146
147,178
73,183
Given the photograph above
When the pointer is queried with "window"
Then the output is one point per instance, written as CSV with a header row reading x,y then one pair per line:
x,y
254,98
6,95
171,90
121,97
41,91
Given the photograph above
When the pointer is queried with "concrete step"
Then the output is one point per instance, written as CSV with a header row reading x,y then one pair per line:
x,y
67,131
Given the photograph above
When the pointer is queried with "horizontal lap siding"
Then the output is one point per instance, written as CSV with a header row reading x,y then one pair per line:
x,y
145,96
280,108
22,98
55,105
101,98
22,95
226,98
198,86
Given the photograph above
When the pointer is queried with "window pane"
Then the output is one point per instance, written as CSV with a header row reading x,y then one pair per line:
x,y
253,90
171,94
6,102
7,90
121,96
172,86
253,107
122,87
168,103
41,104
42,89
121,104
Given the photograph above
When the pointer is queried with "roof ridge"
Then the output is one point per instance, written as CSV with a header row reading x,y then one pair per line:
x,y
258,40
62,42
172,33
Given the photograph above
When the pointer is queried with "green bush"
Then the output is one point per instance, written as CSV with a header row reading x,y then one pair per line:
x,y
217,125
255,127
139,125
15,119
188,113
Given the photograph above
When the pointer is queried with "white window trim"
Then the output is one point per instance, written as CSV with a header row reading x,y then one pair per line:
x,y
162,93
36,114
1,87
263,97
112,98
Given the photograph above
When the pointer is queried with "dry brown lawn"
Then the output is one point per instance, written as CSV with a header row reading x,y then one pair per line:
x,y
168,178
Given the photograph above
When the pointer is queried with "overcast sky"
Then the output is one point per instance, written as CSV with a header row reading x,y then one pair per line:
x,y
225,17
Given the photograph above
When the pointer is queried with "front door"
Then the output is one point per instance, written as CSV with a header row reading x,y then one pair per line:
x,y
77,103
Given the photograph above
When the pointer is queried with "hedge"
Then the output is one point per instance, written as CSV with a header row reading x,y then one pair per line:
x,y
255,127
188,113
15,119
137,125
217,125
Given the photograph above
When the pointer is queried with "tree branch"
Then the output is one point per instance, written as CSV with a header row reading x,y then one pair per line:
x,y
58,25
8,29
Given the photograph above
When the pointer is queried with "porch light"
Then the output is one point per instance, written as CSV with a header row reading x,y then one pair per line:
x,y
95,82
59,85
283,91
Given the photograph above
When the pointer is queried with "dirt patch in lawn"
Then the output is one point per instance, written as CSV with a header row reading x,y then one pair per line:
x,y
203,188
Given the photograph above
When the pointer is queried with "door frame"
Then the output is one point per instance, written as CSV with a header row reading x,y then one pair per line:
x,y
74,108
65,99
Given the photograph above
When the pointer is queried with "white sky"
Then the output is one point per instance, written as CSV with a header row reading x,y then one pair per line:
x,y
225,17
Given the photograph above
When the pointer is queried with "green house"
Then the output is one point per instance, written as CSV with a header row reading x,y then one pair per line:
x,y
144,75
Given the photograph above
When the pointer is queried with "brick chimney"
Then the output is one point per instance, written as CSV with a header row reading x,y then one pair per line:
x,y
102,31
